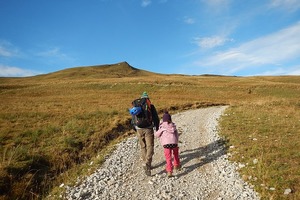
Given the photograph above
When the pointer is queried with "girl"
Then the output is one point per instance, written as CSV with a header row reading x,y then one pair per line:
x,y
168,135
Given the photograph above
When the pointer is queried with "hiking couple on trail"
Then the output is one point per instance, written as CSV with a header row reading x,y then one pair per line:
x,y
144,120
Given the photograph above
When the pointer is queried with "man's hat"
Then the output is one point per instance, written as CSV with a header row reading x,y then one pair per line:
x,y
144,95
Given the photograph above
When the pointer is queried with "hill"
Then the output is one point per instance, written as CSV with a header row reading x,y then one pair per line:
x,y
118,70
53,126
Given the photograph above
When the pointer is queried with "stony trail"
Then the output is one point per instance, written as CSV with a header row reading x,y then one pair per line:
x,y
206,173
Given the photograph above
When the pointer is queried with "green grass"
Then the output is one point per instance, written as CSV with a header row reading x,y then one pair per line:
x,y
53,126
270,134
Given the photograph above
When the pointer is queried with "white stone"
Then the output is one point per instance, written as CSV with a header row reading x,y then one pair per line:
x,y
287,191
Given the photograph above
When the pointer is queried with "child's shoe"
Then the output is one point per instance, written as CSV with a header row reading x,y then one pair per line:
x,y
177,168
169,174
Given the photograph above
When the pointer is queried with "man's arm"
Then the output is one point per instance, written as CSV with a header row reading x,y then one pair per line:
x,y
155,117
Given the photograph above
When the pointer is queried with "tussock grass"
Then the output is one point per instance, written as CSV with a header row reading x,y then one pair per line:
x,y
265,139
57,127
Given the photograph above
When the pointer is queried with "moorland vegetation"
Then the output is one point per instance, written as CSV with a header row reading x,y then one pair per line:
x,y
60,126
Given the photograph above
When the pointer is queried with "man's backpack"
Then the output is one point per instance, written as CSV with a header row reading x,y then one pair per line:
x,y
144,118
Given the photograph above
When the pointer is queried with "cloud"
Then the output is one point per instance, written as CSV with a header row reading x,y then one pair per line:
x,y
290,5
294,71
211,42
277,49
146,3
54,52
5,52
8,71
7,49
54,55
290,71
189,20
217,5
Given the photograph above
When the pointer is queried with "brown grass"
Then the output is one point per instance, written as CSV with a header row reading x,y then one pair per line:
x,y
53,126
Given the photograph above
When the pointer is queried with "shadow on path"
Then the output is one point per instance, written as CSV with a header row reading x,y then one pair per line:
x,y
192,159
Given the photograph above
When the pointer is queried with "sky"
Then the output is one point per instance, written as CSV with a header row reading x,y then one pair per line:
x,y
193,37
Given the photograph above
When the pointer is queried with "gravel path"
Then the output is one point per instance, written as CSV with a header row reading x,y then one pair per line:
x,y
206,172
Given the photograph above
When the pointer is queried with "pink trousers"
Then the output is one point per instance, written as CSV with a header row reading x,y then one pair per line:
x,y
168,155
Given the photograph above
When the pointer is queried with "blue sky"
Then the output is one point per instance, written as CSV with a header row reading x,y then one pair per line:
x,y
225,37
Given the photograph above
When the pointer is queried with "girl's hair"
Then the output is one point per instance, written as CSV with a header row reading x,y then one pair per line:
x,y
167,117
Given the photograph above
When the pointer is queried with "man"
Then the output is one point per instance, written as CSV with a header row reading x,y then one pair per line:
x,y
145,132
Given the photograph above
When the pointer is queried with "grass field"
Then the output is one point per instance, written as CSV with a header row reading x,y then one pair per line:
x,y
54,126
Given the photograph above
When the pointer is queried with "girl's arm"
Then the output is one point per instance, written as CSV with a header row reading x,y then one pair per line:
x,y
176,132
159,132
176,135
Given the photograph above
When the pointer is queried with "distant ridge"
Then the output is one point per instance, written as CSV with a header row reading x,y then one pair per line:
x,y
214,75
118,70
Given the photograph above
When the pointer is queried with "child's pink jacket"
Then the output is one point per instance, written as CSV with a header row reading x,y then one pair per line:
x,y
167,133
